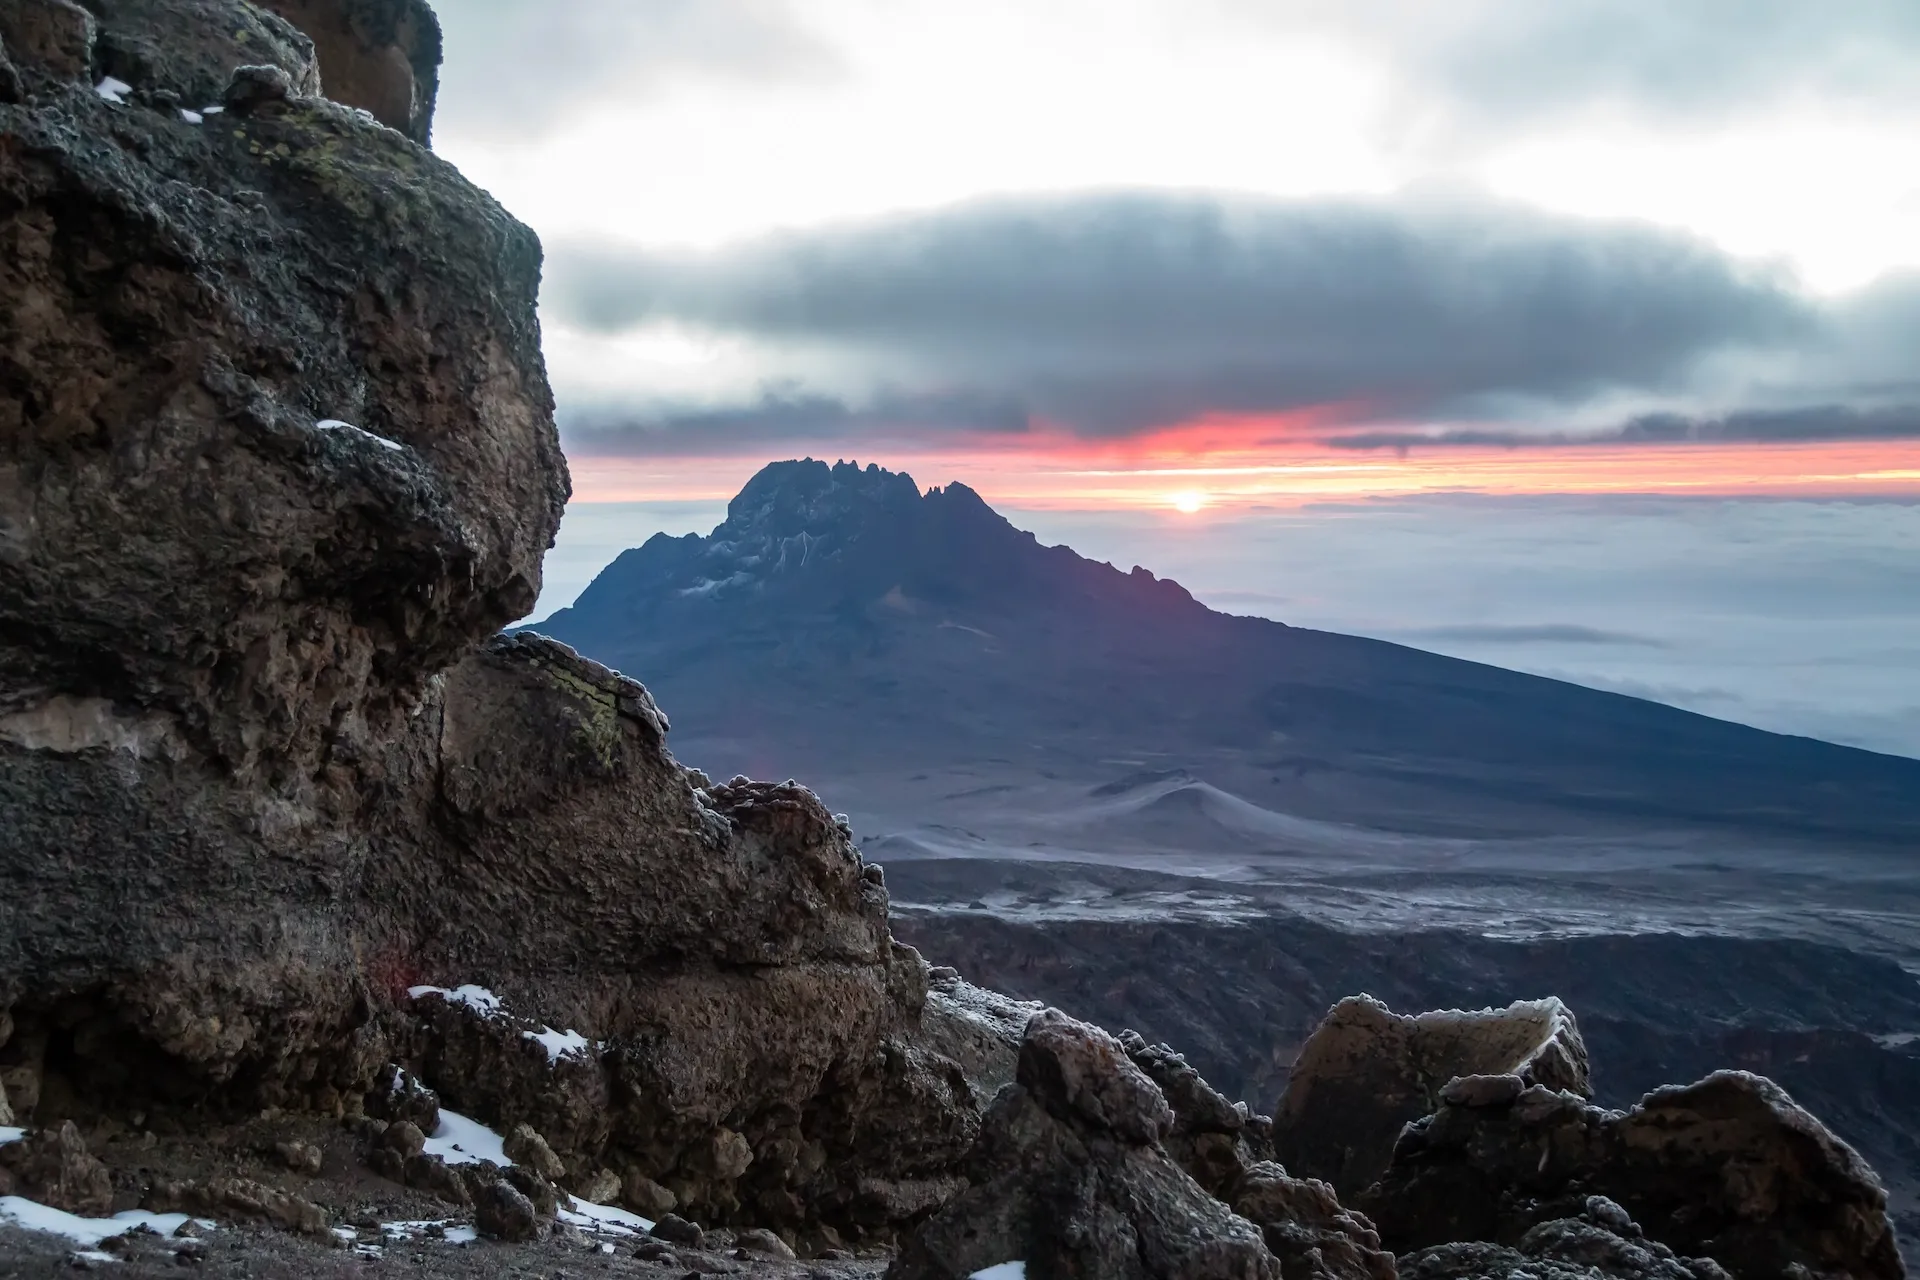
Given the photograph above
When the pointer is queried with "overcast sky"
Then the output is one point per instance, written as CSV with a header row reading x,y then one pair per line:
x,y
894,219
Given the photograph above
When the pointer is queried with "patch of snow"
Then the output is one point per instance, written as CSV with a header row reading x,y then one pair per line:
x,y
449,1232
1002,1271
11,1135
458,1140
30,1215
478,999
558,1043
114,91
94,1255
1897,1040
335,424
346,1235
212,111
191,117
604,1217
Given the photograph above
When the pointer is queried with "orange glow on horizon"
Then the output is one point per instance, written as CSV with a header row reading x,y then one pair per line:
x,y
1239,464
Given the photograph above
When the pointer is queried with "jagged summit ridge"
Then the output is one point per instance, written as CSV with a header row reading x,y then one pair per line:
x,y
855,535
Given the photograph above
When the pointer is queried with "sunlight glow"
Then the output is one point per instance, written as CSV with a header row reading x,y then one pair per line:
x,y
1188,501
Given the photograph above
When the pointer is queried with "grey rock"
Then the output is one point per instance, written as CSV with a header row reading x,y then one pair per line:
x,y
54,37
1068,1176
255,86
646,1197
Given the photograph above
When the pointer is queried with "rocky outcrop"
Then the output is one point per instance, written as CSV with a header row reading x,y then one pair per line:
x,y
1603,1240
382,56
1076,1173
1728,1168
1366,1071
276,459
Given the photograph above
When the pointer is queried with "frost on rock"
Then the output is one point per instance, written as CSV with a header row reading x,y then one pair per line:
x,y
335,424
559,1043
114,91
478,999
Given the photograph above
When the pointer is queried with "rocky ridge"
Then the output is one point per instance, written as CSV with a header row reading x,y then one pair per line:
x,y
326,902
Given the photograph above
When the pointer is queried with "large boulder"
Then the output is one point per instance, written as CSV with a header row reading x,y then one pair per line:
x,y
1728,1169
382,56
1366,1071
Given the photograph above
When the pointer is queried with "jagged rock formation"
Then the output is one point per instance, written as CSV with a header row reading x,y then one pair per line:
x,y
274,460
1727,1168
1366,1071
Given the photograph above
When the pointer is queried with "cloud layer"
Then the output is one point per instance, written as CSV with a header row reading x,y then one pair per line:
x,y
1111,314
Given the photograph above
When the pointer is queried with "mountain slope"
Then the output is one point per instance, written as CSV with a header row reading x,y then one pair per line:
x,y
842,622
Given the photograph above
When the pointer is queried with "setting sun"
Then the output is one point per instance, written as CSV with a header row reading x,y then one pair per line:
x,y
1188,500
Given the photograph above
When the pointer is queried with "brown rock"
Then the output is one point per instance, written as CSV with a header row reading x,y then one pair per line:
x,y
1366,1071
404,1137
503,1213
601,1187
524,1146
243,1198
55,35
434,1175
54,1167
380,55
1307,1229
646,1197
1080,1072
1728,1168
301,1157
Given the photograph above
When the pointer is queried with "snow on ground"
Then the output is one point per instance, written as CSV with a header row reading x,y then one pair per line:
x,y
10,1135
605,1217
1002,1271
191,117
114,91
335,424
458,1140
31,1216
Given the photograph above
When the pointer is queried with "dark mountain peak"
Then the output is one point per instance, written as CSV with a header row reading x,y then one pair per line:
x,y
840,535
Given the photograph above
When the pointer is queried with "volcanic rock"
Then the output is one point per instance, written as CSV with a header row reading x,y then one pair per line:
x,y
54,1167
274,466
1602,1241
1728,1168
503,1213
1367,1071
1069,1177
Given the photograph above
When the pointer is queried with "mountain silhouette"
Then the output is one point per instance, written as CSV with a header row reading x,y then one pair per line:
x,y
841,624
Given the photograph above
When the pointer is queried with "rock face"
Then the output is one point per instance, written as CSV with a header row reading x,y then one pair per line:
x,y
1727,1168
276,459
1366,1071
